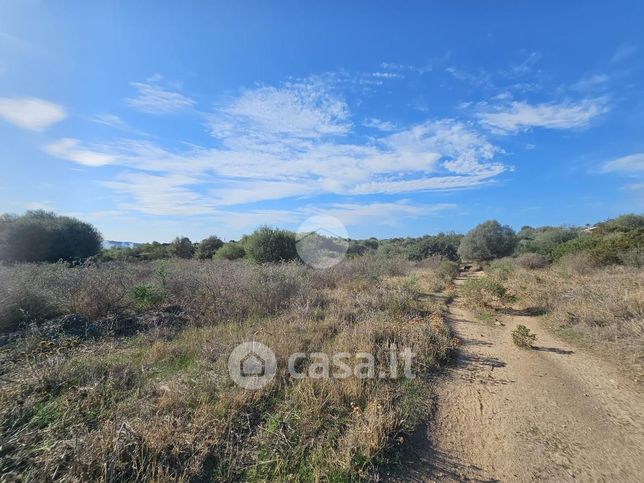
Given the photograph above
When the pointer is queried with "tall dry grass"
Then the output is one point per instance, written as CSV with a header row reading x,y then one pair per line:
x,y
155,402
602,307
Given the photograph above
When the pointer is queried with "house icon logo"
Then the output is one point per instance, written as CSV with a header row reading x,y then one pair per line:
x,y
252,365
322,241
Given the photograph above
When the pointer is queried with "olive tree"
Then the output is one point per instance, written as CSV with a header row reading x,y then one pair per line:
x,y
488,241
208,247
182,247
41,236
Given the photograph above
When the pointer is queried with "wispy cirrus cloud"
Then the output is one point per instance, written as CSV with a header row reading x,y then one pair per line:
x,y
31,112
624,52
379,124
519,116
154,96
633,164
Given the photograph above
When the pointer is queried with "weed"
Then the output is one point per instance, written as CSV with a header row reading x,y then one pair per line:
x,y
522,337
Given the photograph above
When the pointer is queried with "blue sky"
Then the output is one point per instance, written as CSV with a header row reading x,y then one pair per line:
x,y
157,119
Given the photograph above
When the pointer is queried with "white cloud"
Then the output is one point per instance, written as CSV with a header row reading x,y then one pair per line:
x,y
111,120
521,116
156,98
68,148
527,65
624,52
300,110
591,82
31,113
167,194
384,213
634,187
387,75
379,124
632,164
291,141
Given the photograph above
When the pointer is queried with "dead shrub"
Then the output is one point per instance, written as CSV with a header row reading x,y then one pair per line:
x,y
531,261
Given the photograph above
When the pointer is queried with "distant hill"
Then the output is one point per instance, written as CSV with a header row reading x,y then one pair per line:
x,y
119,244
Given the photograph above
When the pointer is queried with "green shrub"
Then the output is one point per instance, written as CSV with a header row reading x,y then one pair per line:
x,y
146,296
448,271
544,240
522,337
488,241
499,269
578,245
182,247
230,251
208,247
40,236
268,244
483,292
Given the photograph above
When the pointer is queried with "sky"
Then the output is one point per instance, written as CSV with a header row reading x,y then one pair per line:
x,y
157,119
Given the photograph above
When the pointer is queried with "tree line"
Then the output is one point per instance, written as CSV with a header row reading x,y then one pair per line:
x,y
40,236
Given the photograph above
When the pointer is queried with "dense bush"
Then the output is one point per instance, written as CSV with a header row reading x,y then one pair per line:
x,y
531,261
182,247
39,236
230,251
208,247
488,241
544,240
443,245
624,223
484,292
610,249
268,244
448,270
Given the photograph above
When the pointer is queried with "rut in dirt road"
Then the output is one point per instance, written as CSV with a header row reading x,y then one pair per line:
x,y
553,413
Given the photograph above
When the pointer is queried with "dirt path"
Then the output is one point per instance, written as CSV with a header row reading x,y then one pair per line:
x,y
506,414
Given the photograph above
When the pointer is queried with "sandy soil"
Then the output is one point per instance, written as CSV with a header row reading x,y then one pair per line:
x,y
507,414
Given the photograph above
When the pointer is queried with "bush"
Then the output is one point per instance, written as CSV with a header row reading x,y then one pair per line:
x,y
208,247
448,271
531,261
488,241
230,251
605,250
182,247
499,269
40,236
544,240
22,298
483,292
522,337
146,296
268,244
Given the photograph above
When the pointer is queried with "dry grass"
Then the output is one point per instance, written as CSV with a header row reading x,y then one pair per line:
x,y
602,308
118,393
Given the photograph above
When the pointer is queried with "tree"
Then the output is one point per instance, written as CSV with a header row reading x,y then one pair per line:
x,y
268,244
443,245
230,251
41,236
182,247
488,241
208,247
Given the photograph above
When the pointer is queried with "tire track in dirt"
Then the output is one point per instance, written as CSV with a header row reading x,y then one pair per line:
x,y
554,413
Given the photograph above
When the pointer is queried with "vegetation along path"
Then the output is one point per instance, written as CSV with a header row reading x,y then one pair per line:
x,y
552,413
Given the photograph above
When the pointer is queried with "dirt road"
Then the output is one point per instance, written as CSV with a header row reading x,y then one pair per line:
x,y
549,414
